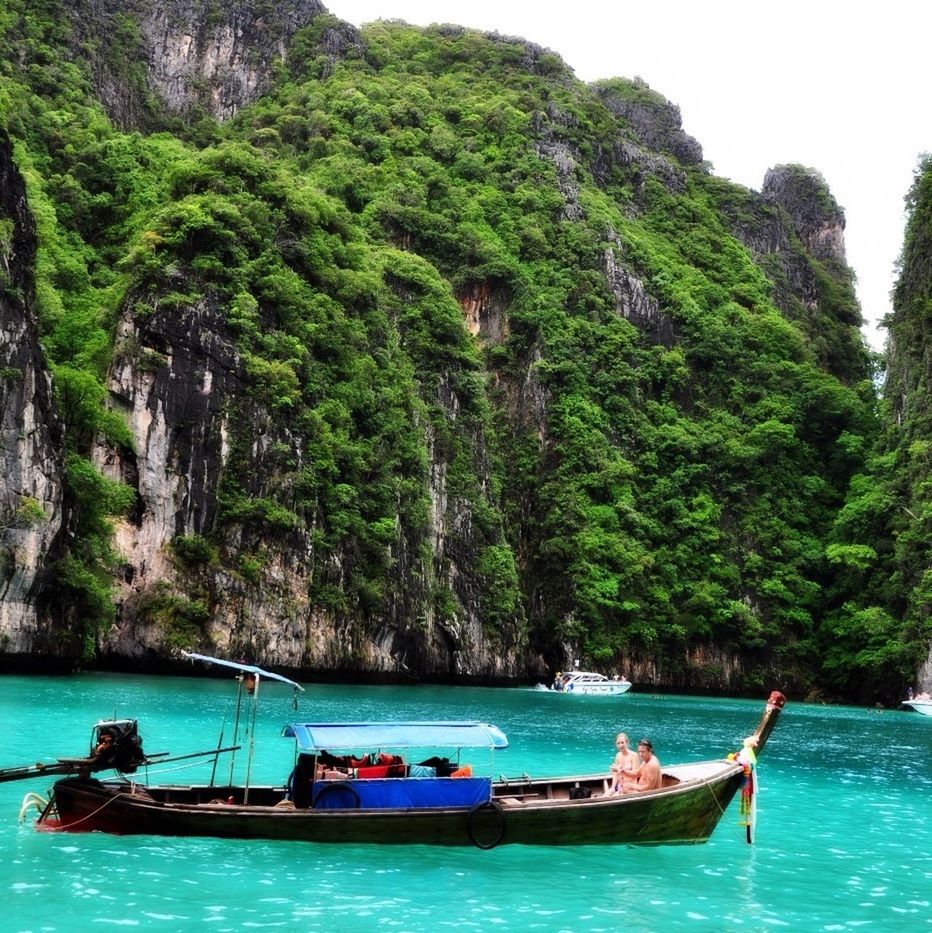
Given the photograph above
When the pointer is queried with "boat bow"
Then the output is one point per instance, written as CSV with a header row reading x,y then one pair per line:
x,y
768,721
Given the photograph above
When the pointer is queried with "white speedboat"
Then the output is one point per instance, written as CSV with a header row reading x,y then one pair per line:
x,y
920,706
588,683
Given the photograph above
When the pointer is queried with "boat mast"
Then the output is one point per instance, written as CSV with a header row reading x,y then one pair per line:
x,y
239,703
251,727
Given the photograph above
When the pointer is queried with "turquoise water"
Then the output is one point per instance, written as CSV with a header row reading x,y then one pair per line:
x,y
844,837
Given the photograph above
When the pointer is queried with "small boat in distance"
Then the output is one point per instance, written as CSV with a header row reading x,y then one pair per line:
x,y
361,783
589,683
920,705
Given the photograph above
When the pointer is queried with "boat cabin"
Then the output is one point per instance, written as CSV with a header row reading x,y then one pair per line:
x,y
357,765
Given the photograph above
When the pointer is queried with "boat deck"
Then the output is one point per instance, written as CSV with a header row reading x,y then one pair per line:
x,y
524,790
509,792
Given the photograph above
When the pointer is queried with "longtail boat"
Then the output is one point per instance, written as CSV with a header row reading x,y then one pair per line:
x,y
346,787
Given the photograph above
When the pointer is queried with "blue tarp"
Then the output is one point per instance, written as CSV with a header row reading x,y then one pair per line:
x,y
364,736
402,792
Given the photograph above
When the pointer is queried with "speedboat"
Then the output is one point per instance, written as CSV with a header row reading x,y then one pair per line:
x,y
920,706
589,683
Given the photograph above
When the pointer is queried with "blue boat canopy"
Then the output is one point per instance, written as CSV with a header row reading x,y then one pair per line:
x,y
314,737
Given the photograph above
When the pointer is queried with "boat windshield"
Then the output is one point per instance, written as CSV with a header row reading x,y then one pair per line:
x,y
315,737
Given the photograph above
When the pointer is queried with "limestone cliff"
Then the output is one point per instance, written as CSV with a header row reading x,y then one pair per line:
x,y
198,56
32,513
795,228
181,382
908,426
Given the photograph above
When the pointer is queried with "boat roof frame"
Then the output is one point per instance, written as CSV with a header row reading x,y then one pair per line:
x,y
244,668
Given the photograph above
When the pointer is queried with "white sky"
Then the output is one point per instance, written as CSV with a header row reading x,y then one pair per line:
x,y
837,85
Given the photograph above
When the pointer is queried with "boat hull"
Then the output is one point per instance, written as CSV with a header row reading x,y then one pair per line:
x,y
920,706
591,683
534,813
597,690
575,810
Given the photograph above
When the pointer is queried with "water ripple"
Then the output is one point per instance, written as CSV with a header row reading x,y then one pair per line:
x,y
841,844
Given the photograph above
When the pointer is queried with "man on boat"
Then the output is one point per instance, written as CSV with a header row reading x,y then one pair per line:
x,y
647,776
104,746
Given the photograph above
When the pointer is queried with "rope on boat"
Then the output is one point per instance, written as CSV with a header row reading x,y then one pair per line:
x,y
190,764
64,828
721,809
32,799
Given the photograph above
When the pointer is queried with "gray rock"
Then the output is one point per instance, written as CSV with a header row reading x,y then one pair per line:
x,y
212,57
32,509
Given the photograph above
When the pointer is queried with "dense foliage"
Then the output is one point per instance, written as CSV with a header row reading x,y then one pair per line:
x,y
878,630
665,495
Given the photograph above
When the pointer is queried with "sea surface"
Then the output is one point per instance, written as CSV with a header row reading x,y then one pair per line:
x,y
844,834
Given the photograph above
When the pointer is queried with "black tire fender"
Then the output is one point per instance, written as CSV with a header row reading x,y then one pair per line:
x,y
471,819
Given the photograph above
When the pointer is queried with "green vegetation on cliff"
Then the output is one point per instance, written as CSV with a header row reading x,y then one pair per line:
x,y
878,631
640,478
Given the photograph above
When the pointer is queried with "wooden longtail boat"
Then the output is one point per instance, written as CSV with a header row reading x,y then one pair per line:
x,y
387,800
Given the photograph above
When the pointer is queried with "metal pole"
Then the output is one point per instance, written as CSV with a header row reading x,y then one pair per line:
x,y
239,700
213,770
252,740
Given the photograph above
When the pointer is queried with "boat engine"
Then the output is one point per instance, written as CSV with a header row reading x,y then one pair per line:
x,y
118,746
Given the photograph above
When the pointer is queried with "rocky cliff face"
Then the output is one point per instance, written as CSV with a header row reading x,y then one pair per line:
x,y
632,300
199,56
31,500
653,141
908,418
794,204
796,230
815,215
180,382
653,120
